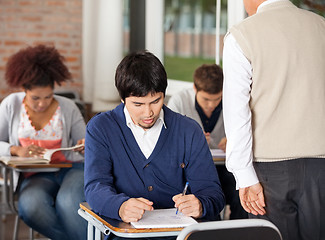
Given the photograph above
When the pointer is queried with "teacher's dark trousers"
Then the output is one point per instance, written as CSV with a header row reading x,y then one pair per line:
x,y
294,193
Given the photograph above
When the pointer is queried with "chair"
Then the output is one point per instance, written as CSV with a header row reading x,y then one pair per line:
x,y
74,96
243,229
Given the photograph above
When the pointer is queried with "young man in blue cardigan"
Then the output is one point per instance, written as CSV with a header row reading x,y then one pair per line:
x,y
139,156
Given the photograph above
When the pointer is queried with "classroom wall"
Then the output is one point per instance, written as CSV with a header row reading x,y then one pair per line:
x,y
27,22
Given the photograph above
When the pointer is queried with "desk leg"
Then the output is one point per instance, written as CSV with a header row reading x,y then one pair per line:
x,y
98,234
12,192
93,223
90,232
16,227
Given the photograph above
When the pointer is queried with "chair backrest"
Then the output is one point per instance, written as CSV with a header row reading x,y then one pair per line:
x,y
243,229
73,95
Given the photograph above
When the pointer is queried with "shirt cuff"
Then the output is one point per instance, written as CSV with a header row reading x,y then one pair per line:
x,y
245,177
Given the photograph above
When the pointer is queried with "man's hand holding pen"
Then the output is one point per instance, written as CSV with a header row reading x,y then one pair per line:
x,y
188,204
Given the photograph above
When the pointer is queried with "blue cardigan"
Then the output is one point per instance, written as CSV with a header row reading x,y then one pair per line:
x,y
116,169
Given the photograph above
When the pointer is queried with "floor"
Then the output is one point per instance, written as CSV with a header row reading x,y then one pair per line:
x,y
7,223
7,227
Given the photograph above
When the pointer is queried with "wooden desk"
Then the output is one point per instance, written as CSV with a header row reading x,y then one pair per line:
x,y
9,184
219,161
218,156
107,225
8,178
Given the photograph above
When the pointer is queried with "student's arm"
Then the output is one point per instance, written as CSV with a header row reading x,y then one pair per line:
x,y
100,191
4,129
202,176
222,144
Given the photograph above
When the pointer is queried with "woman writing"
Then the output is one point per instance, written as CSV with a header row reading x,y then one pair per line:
x,y
34,120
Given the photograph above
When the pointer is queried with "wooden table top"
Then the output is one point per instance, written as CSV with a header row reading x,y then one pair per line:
x,y
122,227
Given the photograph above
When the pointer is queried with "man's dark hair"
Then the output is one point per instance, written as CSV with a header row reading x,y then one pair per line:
x,y
208,78
139,74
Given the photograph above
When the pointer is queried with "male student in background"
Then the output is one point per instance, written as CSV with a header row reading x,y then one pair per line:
x,y
139,156
203,103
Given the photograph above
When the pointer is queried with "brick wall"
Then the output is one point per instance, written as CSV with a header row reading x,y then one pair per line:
x,y
28,22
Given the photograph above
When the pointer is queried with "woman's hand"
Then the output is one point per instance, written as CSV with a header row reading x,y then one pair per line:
x,y
29,151
82,148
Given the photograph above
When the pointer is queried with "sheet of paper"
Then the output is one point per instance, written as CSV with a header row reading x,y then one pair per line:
x,y
163,218
218,153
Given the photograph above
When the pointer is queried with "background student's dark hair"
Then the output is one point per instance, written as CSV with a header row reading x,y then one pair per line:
x,y
208,78
140,73
40,66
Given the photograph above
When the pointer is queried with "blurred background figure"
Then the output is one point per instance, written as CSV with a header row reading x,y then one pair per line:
x,y
34,120
203,103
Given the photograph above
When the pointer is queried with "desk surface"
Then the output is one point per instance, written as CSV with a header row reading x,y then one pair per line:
x,y
122,227
219,156
35,166
40,165
219,161
10,179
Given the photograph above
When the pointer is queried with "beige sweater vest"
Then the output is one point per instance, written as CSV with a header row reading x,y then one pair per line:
x,y
286,48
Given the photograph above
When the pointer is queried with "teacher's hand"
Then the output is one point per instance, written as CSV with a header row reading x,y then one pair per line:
x,y
252,199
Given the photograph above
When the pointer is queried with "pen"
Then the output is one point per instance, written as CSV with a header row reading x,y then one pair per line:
x,y
183,193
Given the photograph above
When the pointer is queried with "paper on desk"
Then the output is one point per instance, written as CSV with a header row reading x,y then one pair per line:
x,y
163,218
218,153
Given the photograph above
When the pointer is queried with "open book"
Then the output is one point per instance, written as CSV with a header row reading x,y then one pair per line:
x,y
163,218
35,160
22,160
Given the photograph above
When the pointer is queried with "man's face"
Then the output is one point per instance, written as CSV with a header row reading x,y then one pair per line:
x,y
208,102
144,111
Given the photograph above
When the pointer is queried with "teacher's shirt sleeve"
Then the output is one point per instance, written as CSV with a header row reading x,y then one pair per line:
x,y
237,114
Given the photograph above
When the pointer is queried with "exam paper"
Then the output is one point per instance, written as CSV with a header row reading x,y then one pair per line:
x,y
163,218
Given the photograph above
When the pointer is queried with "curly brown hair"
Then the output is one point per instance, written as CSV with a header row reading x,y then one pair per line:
x,y
36,66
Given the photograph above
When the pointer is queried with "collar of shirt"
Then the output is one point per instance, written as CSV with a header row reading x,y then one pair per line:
x,y
268,2
146,139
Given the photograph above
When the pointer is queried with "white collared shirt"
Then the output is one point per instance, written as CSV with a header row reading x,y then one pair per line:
x,y
236,112
268,2
146,139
